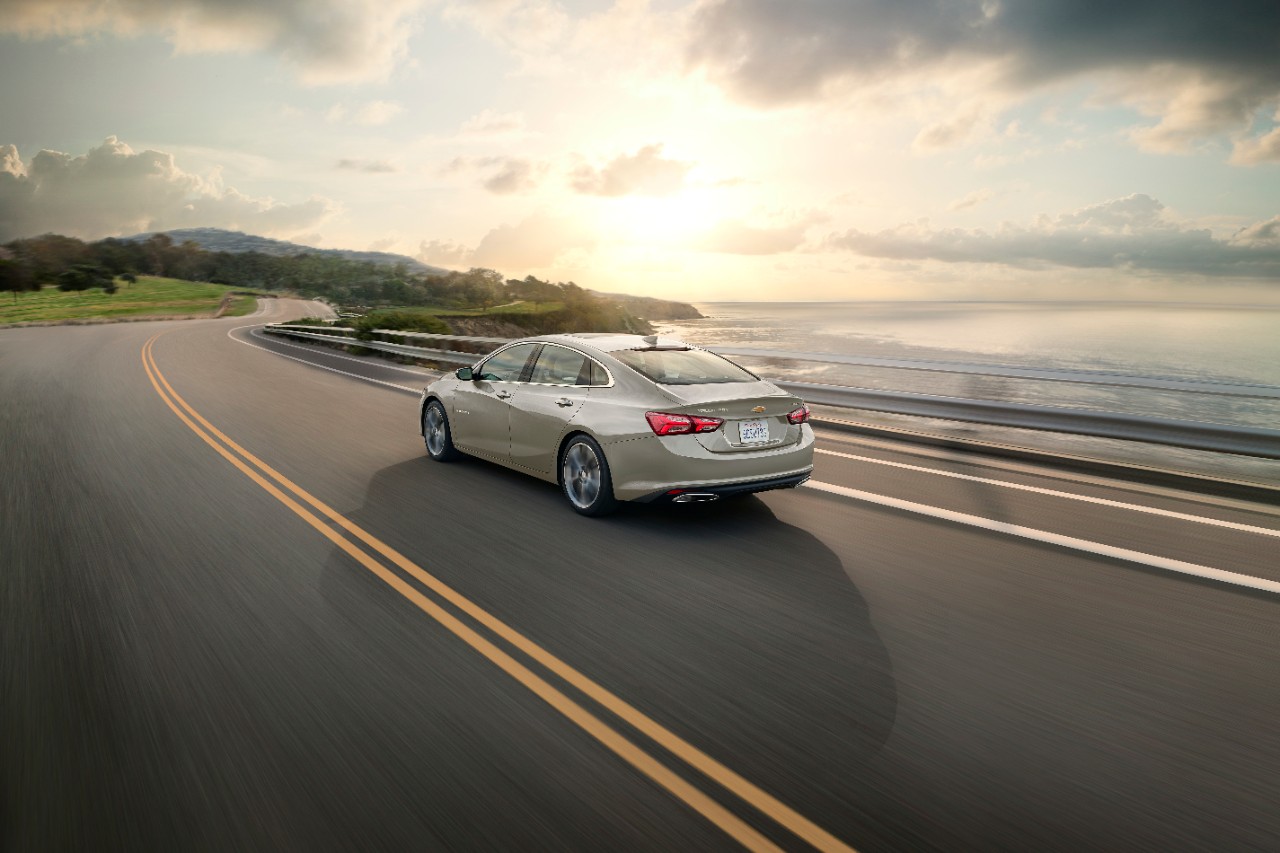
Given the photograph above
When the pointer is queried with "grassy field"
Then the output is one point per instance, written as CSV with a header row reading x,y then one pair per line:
x,y
149,296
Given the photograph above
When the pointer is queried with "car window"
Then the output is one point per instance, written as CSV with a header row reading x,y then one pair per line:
x,y
558,366
507,365
593,374
683,366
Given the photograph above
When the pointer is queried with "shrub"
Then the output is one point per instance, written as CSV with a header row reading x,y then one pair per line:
x,y
402,321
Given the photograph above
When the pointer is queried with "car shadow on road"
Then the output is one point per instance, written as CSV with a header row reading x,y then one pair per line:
x,y
740,632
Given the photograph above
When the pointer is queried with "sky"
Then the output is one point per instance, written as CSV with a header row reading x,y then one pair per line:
x,y
701,151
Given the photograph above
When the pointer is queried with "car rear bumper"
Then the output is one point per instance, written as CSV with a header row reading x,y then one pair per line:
x,y
645,469
703,493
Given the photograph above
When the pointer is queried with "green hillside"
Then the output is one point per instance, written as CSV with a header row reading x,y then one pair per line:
x,y
149,296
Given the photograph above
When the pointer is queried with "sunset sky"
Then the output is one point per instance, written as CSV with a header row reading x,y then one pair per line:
x,y
739,149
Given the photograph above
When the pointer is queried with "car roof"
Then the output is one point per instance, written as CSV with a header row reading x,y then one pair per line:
x,y
612,342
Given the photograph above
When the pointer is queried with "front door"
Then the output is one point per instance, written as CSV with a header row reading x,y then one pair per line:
x,y
481,420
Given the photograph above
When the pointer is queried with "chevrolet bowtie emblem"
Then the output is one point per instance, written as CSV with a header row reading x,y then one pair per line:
x,y
758,409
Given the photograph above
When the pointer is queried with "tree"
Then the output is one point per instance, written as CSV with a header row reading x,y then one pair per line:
x,y
85,276
118,256
15,276
158,248
49,255
188,261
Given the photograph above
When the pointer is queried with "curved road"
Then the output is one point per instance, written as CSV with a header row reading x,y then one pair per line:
x,y
240,609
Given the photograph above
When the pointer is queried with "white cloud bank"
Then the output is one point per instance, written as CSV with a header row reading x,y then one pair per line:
x,y
1199,69
326,41
1131,234
113,190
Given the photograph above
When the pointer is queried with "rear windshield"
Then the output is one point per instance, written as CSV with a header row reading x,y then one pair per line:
x,y
682,366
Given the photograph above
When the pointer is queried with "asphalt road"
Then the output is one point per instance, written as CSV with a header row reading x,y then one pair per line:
x,y
371,651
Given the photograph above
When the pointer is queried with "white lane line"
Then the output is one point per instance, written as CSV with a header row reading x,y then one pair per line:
x,y
1054,538
1167,513
321,366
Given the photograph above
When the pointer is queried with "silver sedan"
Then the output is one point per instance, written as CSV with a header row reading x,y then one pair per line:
x,y
621,418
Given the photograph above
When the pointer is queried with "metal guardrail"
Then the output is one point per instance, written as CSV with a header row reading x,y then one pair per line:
x,y
1193,435
1244,441
309,333
455,344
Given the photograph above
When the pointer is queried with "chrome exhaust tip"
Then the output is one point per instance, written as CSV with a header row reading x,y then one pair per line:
x,y
694,497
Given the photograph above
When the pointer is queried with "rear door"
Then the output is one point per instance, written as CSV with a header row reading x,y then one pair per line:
x,y
481,418
540,415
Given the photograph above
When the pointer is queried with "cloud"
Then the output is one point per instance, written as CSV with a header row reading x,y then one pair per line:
x,y
489,123
445,253
971,200
113,190
1261,149
504,175
371,166
1260,234
1133,213
1130,233
954,131
1219,61
733,236
1191,105
533,243
525,27
325,41
646,172
512,176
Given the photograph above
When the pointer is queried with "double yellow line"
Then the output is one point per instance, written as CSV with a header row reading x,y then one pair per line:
x,y
378,559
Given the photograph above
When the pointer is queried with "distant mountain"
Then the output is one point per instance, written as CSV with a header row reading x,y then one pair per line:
x,y
221,240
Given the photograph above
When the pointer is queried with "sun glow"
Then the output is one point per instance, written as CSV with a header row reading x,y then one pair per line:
x,y
668,222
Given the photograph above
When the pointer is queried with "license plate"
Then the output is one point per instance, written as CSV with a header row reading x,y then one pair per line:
x,y
753,432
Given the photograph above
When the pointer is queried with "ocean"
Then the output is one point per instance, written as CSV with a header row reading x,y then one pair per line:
x,y
1221,343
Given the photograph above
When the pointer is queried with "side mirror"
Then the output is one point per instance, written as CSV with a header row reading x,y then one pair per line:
x,y
464,373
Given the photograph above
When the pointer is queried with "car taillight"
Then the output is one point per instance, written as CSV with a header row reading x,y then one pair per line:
x,y
798,416
707,424
663,423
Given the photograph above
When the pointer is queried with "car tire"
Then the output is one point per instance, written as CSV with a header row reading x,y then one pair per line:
x,y
436,434
585,478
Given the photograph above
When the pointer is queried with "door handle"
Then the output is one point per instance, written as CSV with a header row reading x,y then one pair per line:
x,y
503,395
564,401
